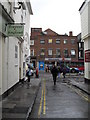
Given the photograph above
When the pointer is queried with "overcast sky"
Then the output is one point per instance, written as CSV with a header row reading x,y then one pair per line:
x,y
61,16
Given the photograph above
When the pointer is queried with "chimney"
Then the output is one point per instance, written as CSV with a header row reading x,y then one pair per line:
x,y
70,33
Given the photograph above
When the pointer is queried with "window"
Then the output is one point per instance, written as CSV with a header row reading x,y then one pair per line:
x,y
16,51
73,53
58,52
79,45
32,52
42,52
50,41
42,41
57,41
31,42
65,52
50,52
81,54
72,41
65,41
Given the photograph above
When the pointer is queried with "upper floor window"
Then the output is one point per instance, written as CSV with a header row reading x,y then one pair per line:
x,y
42,41
31,42
16,51
50,52
50,41
79,45
58,52
73,53
65,52
57,41
32,52
65,41
72,41
42,51
81,54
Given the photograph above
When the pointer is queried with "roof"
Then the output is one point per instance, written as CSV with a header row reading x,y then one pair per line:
x,y
50,32
82,5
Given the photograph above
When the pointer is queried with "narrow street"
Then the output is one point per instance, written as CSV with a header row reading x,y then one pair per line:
x,y
60,101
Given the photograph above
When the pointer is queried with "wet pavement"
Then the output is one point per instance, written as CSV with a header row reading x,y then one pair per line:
x,y
20,102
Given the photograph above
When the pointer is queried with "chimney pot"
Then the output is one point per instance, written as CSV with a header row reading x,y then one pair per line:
x,y
70,33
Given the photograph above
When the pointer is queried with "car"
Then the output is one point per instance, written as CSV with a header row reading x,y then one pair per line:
x,y
74,70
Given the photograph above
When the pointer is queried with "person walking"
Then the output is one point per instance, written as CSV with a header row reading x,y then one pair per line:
x,y
28,74
54,72
37,72
64,71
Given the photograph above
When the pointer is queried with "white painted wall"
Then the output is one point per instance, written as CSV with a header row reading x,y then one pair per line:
x,y
0,64
10,69
84,22
9,65
89,18
87,64
85,28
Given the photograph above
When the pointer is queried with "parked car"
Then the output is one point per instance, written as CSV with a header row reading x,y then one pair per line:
x,y
74,70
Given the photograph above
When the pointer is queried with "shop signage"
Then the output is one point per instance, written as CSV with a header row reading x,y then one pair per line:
x,y
87,55
60,59
16,30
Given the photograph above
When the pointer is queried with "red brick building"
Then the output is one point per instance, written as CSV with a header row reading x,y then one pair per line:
x,y
49,47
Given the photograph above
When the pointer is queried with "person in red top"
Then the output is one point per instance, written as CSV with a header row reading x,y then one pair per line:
x,y
37,74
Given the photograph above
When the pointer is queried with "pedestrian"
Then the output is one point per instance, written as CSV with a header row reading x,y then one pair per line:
x,y
28,74
54,72
59,71
37,73
64,71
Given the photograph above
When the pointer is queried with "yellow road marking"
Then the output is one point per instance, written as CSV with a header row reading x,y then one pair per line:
x,y
42,101
80,93
44,107
40,107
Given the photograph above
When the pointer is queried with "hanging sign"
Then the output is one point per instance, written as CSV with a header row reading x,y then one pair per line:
x,y
87,55
16,30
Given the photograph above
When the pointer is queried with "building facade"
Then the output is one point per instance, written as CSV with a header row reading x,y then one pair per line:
x,y
48,47
85,28
14,49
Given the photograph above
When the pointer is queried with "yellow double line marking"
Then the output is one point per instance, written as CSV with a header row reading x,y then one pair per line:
x,y
42,105
80,93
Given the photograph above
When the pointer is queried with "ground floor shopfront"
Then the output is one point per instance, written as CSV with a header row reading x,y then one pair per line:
x,y
42,63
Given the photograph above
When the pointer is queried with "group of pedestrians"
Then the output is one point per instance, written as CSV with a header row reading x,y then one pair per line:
x,y
28,74
57,71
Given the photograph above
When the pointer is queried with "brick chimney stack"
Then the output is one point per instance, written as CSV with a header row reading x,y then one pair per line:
x,y
70,33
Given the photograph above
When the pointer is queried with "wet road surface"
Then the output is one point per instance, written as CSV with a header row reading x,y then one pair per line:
x,y
60,101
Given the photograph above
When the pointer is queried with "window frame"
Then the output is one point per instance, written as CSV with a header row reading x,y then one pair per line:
x,y
49,52
58,41
66,41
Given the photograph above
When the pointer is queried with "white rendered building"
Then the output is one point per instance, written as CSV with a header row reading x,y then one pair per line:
x,y
13,49
85,27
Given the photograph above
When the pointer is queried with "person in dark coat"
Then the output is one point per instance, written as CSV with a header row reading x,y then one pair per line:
x,y
54,72
64,71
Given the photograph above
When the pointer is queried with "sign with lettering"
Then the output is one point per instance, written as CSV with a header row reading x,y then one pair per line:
x,y
16,30
87,55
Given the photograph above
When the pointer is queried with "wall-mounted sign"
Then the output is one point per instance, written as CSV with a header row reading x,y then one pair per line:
x,y
16,30
58,59
87,55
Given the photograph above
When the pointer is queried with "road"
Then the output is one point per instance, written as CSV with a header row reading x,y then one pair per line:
x,y
60,101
